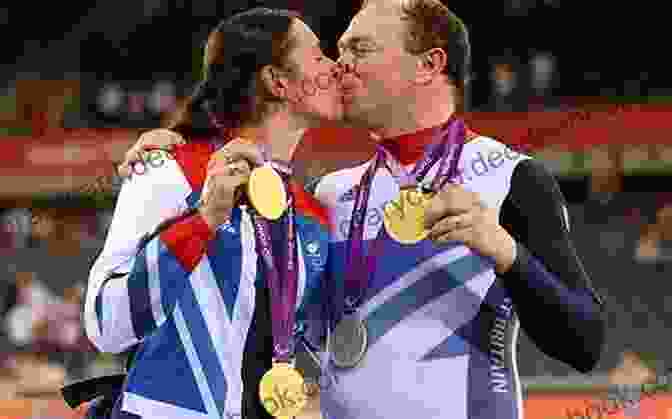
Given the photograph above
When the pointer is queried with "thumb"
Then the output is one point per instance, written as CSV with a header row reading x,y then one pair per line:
x,y
124,170
432,211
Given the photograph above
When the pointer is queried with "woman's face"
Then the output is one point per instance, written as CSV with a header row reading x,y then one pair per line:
x,y
314,91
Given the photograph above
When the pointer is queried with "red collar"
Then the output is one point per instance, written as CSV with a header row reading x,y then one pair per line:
x,y
409,148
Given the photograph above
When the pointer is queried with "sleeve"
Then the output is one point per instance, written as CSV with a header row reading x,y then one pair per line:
x,y
158,277
143,202
547,277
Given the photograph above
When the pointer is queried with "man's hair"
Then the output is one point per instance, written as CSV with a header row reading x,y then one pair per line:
x,y
432,25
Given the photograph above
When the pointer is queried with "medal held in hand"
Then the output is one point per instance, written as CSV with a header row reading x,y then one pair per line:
x,y
348,342
282,391
266,192
404,217
404,222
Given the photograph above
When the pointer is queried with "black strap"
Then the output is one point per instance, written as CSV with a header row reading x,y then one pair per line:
x,y
131,356
86,390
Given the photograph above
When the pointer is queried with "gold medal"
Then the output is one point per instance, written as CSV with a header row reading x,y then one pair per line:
x,y
267,193
404,217
282,391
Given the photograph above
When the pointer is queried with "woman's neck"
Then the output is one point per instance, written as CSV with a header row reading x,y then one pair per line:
x,y
280,136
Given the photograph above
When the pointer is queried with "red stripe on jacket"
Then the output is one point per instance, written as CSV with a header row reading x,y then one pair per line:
x,y
309,205
193,158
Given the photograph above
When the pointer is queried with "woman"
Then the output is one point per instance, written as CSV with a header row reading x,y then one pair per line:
x,y
203,286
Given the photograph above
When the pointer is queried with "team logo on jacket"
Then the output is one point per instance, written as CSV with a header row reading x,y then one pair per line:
x,y
313,248
228,227
313,253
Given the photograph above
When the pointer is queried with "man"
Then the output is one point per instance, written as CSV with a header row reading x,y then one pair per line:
x,y
442,315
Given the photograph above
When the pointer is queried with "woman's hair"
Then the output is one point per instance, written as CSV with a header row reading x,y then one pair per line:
x,y
231,91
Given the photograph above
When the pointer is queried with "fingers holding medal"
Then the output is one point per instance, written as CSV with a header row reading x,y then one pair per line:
x,y
222,185
454,228
459,215
242,149
265,188
243,162
452,214
446,216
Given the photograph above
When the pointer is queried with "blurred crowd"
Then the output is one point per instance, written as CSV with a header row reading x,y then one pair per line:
x,y
655,242
47,254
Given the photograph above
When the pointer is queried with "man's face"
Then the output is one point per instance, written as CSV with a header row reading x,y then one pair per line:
x,y
378,71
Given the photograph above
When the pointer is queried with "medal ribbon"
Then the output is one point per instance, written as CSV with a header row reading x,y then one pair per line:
x,y
283,288
360,267
452,132
283,285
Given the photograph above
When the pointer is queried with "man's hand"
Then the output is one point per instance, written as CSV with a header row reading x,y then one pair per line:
x,y
229,168
456,214
156,138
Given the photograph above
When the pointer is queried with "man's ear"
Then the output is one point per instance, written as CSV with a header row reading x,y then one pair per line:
x,y
431,64
275,81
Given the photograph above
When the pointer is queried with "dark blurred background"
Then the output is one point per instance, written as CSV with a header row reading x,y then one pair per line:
x,y
591,48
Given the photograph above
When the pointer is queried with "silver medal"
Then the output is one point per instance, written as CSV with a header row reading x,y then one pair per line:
x,y
347,344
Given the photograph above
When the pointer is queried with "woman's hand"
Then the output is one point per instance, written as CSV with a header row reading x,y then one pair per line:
x,y
156,138
229,168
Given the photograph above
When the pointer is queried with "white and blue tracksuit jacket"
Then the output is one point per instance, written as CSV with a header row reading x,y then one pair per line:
x,y
187,297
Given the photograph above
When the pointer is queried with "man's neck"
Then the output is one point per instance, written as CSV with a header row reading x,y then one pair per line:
x,y
279,134
425,114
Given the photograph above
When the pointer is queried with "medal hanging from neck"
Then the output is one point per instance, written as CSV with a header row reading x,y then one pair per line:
x,y
404,222
404,217
282,389
348,341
